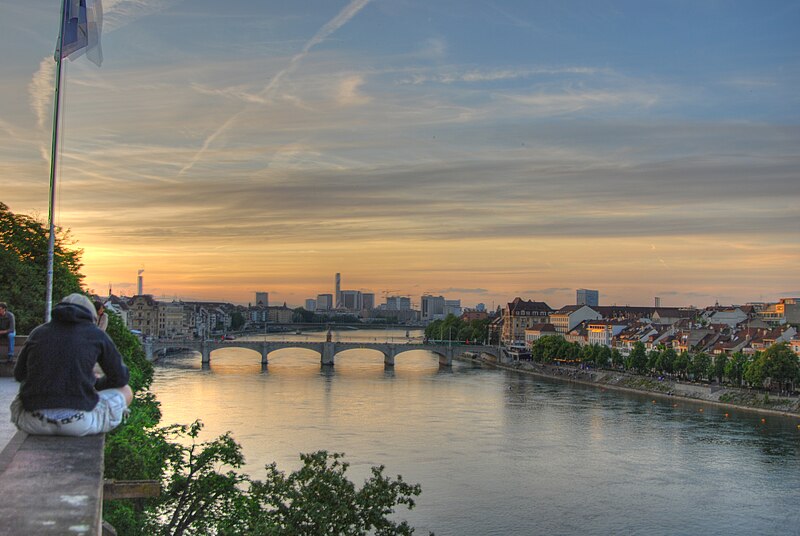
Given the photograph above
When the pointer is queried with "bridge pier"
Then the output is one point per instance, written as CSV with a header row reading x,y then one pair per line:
x,y
328,351
148,350
206,353
388,357
446,359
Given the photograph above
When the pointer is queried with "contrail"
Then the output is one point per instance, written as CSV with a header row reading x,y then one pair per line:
x,y
342,18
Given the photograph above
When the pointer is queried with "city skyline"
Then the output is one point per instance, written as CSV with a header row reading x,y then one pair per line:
x,y
476,150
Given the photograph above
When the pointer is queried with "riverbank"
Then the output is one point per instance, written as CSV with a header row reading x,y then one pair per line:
x,y
622,381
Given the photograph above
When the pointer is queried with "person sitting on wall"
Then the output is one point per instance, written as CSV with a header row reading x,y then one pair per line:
x,y
102,316
59,394
7,328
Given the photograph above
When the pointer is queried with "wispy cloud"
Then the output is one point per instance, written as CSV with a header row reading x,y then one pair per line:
x,y
573,101
494,75
462,290
344,16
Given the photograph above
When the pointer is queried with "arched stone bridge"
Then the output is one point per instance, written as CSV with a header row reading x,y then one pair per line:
x,y
326,350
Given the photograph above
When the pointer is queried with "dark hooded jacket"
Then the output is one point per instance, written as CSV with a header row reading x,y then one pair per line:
x,y
56,365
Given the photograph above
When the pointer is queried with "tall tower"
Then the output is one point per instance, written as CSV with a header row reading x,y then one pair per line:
x,y
338,293
140,283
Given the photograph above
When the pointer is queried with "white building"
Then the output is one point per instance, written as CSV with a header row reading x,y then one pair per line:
x,y
566,318
452,307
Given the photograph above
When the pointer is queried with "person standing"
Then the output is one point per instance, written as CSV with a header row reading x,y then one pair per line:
x,y
8,329
59,393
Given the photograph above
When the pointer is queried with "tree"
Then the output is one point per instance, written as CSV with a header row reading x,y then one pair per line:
x,y
603,356
237,320
700,365
718,366
205,495
781,365
23,263
666,361
616,358
653,358
320,499
682,363
754,371
734,368
637,360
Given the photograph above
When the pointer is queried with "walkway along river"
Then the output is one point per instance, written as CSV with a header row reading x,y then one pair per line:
x,y
498,452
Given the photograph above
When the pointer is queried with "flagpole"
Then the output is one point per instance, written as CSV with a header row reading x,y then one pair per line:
x,y
53,152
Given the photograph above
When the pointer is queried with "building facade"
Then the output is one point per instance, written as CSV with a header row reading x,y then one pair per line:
x,y
432,308
585,296
520,315
324,302
143,315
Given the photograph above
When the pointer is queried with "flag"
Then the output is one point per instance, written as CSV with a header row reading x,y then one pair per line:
x,y
80,30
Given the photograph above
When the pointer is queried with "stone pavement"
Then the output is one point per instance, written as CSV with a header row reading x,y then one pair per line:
x,y
8,390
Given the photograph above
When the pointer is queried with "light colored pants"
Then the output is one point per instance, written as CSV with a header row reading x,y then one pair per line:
x,y
106,416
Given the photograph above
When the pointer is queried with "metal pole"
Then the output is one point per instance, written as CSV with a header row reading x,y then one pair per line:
x,y
54,151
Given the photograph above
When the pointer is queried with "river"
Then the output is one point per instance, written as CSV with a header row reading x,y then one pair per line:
x,y
498,452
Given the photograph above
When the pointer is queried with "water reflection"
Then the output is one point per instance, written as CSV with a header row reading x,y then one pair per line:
x,y
503,453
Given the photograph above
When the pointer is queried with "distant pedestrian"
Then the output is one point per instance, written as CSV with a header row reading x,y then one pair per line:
x,y
8,329
102,316
58,393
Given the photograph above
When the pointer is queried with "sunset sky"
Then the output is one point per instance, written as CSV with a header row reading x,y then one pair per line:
x,y
477,149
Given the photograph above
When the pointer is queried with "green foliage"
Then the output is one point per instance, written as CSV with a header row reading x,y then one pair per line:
x,y
637,360
132,352
666,361
205,495
237,320
455,329
754,371
701,363
202,491
718,366
616,358
734,368
682,363
777,364
23,263
319,499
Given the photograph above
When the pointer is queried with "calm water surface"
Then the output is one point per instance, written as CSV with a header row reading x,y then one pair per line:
x,y
498,452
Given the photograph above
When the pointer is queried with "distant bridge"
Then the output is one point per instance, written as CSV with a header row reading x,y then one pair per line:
x,y
326,350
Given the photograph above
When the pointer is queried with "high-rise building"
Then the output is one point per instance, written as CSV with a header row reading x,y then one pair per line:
x,y
368,301
338,290
480,307
432,308
262,299
657,302
311,304
398,303
588,297
324,302
351,300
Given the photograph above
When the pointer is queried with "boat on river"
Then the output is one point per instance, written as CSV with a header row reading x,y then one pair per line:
x,y
517,353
